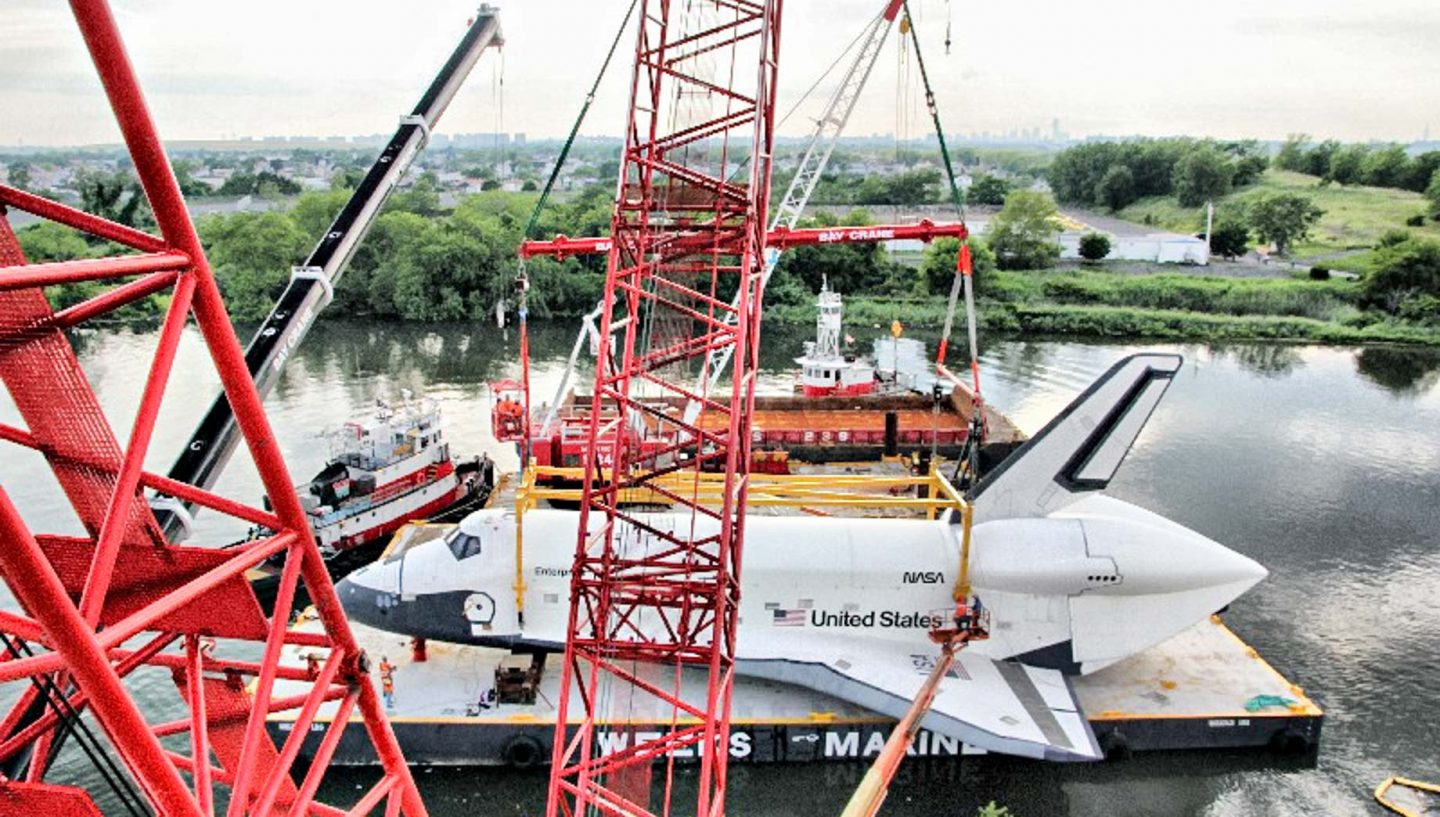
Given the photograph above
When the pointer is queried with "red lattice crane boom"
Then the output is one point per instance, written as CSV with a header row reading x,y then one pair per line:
x,y
99,606
646,602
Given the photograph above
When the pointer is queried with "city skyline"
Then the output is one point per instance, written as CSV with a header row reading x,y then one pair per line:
x,y
1104,69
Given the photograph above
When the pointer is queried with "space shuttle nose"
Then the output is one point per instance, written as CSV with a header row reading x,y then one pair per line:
x,y
1240,568
1168,578
1174,559
367,594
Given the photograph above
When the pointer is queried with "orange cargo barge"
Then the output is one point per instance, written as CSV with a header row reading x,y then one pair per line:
x,y
822,429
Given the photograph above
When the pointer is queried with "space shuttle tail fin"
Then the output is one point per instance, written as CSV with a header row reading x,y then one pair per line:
x,y
1079,451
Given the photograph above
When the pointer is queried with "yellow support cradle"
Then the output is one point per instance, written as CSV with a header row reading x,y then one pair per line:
x,y
1382,795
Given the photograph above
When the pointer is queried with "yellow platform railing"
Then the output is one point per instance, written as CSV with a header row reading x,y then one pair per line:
x,y
929,494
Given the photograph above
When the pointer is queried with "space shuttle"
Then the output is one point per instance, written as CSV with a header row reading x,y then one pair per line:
x,y
1073,581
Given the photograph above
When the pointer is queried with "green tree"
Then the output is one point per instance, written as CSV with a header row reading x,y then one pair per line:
x,y
850,268
252,254
115,196
1023,233
1204,174
1317,160
1292,155
565,287
1432,192
48,241
1422,170
1229,238
422,196
18,174
987,189
914,187
369,286
1347,165
346,178
1094,246
937,266
264,183
1405,279
184,170
443,274
1076,172
316,211
1250,161
1282,218
1116,188
1387,167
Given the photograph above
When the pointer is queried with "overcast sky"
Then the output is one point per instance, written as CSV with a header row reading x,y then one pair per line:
x,y
1350,69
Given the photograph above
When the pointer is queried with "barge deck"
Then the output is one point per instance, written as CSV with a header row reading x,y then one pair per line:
x,y
1203,689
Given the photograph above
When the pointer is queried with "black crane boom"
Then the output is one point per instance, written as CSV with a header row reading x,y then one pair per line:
x,y
312,284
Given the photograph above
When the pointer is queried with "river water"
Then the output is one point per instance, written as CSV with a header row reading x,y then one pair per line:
x,y
1321,463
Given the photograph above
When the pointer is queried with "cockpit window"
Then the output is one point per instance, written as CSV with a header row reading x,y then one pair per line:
x,y
462,544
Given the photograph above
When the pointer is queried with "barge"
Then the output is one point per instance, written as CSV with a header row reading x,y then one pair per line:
x,y
1179,680
1203,689
845,407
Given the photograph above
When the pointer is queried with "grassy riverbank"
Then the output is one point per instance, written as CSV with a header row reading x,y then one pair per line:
x,y
1167,306
1355,216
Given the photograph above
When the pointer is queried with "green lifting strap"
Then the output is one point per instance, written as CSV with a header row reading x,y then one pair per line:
x,y
1260,702
575,129
955,196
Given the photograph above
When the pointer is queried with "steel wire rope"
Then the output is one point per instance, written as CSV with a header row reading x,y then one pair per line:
x,y
718,569
538,208
606,693
970,455
823,75
745,162
69,718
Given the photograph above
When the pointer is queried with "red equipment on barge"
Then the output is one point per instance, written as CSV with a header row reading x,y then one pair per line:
x,y
845,408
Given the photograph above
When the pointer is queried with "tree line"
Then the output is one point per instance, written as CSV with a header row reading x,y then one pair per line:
x,y
1116,174
423,262
1387,165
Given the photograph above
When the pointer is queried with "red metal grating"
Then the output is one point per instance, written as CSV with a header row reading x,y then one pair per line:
x,y
98,607
43,799
60,409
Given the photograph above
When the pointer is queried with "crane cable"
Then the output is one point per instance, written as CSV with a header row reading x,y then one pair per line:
x,y
522,279
69,720
968,467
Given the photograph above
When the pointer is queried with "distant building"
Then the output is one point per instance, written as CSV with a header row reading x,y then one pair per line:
x,y
1163,248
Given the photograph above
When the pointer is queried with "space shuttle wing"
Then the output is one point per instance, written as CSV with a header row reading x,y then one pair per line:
x,y
992,705
1076,454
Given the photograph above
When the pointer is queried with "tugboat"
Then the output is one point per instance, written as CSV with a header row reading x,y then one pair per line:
x,y
845,408
824,371
393,469
389,471
899,366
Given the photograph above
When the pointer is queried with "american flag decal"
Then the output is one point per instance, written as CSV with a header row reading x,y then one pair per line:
x,y
788,618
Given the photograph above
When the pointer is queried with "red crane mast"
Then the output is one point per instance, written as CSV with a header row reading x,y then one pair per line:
x,y
98,606
702,106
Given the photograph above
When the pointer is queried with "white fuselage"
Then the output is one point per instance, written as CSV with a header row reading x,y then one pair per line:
x,y
1095,582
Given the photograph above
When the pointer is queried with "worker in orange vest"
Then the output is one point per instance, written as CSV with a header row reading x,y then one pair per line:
x,y
387,681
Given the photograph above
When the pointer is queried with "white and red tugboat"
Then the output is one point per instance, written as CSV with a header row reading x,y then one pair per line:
x,y
824,371
387,471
